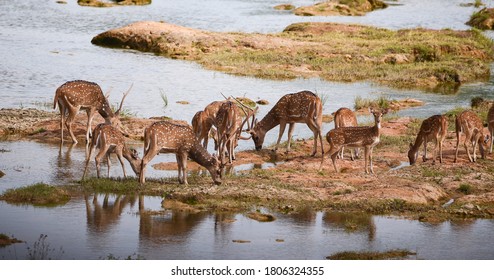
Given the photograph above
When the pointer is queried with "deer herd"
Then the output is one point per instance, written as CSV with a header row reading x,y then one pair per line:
x,y
224,121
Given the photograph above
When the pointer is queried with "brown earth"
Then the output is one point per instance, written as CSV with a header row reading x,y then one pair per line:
x,y
420,189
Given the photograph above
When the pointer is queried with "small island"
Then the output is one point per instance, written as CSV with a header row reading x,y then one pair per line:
x,y
340,7
112,3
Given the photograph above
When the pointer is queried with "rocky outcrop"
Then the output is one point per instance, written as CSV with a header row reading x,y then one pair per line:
x,y
483,19
341,7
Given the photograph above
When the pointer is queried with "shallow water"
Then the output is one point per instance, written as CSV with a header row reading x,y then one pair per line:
x,y
99,227
45,44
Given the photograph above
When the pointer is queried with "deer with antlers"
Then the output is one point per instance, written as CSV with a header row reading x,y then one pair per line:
x,y
344,117
229,124
469,123
169,137
301,107
366,137
433,129
111,140
76,95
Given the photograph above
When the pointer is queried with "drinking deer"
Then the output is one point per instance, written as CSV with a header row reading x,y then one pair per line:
x,y
434,129
366,137
344,117
301,107
111,140
76,95
469,123
169,137
490,125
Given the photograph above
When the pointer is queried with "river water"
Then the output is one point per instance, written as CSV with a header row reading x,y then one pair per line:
x,y
43,44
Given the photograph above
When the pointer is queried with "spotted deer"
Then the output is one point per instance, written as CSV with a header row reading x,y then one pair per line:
x,y
366,137
109,139
344,117
301,107
179,139
202,127
433,129
490,125
469,123
83,95
229,123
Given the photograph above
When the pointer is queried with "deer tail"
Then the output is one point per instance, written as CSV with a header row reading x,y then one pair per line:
x,y
55,100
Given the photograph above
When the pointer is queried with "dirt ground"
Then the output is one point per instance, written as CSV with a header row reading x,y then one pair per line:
x,y
422,187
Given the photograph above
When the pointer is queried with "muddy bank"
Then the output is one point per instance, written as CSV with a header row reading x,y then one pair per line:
x,y
292,182
414,58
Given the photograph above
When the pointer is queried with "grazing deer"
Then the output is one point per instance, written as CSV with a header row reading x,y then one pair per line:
x,y
366,137
202,127
168,137
110,140
490,125
432,129
76,95
344,117
470,124
301,107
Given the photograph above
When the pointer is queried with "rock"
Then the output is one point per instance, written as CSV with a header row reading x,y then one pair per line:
x,y
1,174
396,59
262,102
469,206
483,19
284,7
339,7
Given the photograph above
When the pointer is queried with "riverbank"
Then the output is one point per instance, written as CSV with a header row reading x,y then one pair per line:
x,y
435,60
291,182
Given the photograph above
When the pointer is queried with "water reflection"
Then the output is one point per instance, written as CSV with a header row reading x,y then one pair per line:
x,y
351,222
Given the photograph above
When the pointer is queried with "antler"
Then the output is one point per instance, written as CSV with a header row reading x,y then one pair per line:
x,y
123,98
107,93
247,115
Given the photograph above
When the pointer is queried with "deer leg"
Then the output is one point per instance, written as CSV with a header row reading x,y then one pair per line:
x,y
62,120
457,145
97,159
87,161
491,131
282,130
424,157
290,132
120,158
366,155
180,168
90,115
370,160
333,153
440,143
474,145
68,124
108,164
468,151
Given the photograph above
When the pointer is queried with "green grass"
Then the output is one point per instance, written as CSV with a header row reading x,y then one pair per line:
x,y
38,194
465,189
389,255
382,102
